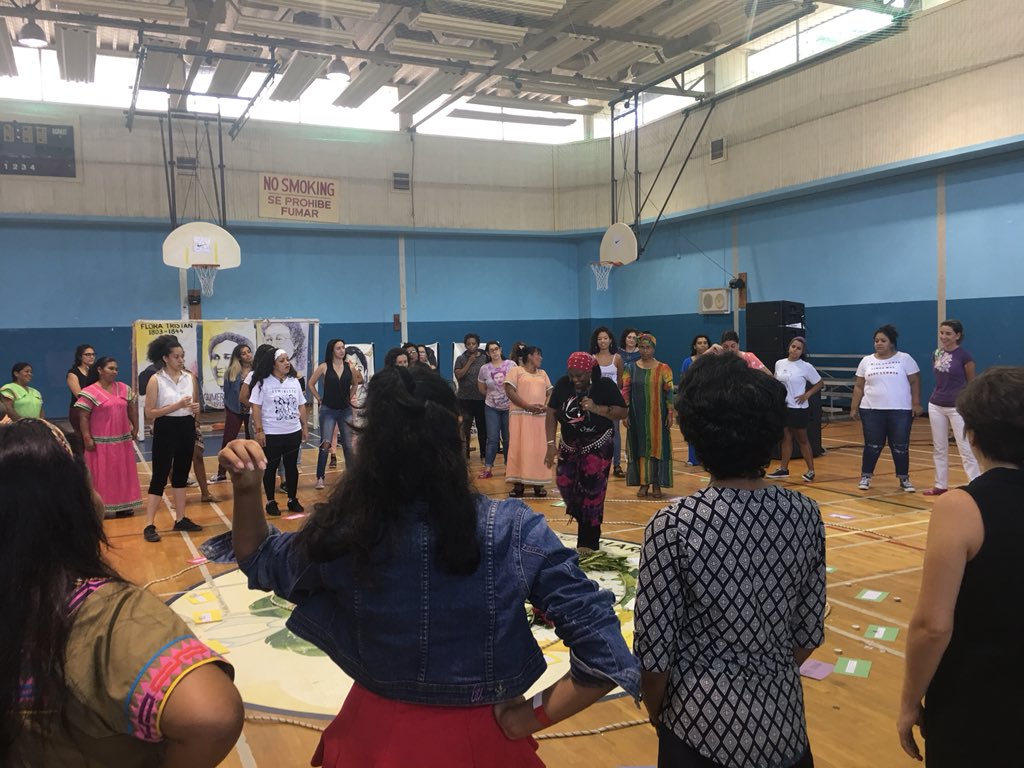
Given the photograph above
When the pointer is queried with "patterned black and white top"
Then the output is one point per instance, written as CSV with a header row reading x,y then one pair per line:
x,y
730,581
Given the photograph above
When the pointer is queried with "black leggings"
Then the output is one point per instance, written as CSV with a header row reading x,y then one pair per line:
x,y
673,752
473,410
174,439
282,448
588,535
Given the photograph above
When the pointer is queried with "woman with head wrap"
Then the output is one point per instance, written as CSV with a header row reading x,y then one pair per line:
x,y
647,387
585,404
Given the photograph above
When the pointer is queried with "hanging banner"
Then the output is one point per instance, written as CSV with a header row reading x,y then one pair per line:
x,y
219,339
299,198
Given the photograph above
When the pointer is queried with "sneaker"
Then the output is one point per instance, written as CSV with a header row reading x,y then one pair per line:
x,y
906,485
865,482
149,534
485,475
319,483
190,483
217,478
272,509
294,506
780,472
187,525
934,492
808,476
333,464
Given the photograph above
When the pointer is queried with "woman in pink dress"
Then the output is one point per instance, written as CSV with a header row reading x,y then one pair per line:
x,y
109,425
528,388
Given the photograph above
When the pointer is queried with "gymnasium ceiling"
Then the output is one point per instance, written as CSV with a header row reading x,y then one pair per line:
x,y
525,54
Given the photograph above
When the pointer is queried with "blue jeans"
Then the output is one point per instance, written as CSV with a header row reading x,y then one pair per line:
x,y
329,418
497,426
881,426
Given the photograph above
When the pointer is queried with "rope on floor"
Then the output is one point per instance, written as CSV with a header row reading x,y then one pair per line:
x,y
183,571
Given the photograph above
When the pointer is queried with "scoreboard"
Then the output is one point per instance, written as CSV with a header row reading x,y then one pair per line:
x,y
37,149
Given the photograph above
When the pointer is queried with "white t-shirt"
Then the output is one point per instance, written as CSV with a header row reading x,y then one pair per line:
x,y
796,375
279,402
886,382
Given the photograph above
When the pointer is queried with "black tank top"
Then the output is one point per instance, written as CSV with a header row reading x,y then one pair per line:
x,y
978,682
337,391
83,381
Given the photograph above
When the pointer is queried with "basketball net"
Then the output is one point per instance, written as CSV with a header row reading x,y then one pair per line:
x,y
602,270
207,273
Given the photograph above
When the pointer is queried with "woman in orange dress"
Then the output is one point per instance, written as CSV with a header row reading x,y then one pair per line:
x,y
528,388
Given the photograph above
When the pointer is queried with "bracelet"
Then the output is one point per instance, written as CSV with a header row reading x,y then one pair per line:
x,y
551,442
539,711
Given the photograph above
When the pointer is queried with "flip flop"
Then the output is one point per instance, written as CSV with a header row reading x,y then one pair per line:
x,y
539,491
517,492
656,493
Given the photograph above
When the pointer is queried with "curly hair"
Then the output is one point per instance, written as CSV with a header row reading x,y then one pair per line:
x,y
160,347
412,423
732,415
992,407
612,346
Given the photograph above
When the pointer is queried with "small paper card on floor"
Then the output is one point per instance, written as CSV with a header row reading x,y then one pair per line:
x,y
876,632
197,561
830,569
202,597
208,616
217,647
816,670
296,516
558,504
841,517
853,667
872,595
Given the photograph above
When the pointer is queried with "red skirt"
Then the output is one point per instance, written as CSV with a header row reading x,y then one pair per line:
x,y
374,732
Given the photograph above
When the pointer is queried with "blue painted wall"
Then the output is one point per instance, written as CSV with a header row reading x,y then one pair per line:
x,y
857,256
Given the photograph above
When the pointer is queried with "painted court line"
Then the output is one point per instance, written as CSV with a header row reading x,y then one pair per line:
x,y
889,620
890,540
875,576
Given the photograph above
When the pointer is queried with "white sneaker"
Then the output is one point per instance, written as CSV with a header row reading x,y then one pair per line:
x,y
865,482
319,483
906,485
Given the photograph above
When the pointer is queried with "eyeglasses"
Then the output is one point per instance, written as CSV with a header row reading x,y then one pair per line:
x,y
88,354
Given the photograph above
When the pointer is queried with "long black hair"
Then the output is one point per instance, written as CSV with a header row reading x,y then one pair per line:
x,y
264,369
79,351
410,450
612,346
51,535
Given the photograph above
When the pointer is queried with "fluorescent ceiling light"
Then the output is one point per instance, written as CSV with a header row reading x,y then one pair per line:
x,y
529,7
290,31
76,52
338,71
32,36
469,29
613,57
302,70
131,9
158,68
230,74
442,82
578,101
623,12
536,105
407,47
370,79
560,50
598,94
498,117
352,9
8,64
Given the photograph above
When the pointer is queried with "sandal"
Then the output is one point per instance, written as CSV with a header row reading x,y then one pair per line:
x,y
642,492
540,491
656,493
485,474
619,473
517,491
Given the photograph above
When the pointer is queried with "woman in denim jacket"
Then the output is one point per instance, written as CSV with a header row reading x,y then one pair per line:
x,y
415,586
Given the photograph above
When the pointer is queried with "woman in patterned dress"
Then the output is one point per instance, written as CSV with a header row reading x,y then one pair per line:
x,y
647,387
109,425
95,671
731,590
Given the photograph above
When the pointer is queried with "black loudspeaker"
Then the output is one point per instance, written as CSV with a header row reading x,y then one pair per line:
x,y
775,313
770,343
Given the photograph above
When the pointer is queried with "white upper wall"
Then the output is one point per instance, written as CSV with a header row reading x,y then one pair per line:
x,y
951,80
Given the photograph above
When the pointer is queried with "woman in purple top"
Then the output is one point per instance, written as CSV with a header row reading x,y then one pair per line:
x,y
954,368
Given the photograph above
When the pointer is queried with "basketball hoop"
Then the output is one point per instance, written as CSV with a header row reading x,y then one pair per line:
x,y
602,270
206,273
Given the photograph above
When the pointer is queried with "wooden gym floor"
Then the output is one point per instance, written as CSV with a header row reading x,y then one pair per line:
x,y
875,541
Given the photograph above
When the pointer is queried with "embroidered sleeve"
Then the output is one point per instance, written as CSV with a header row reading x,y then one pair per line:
x,y
87,401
